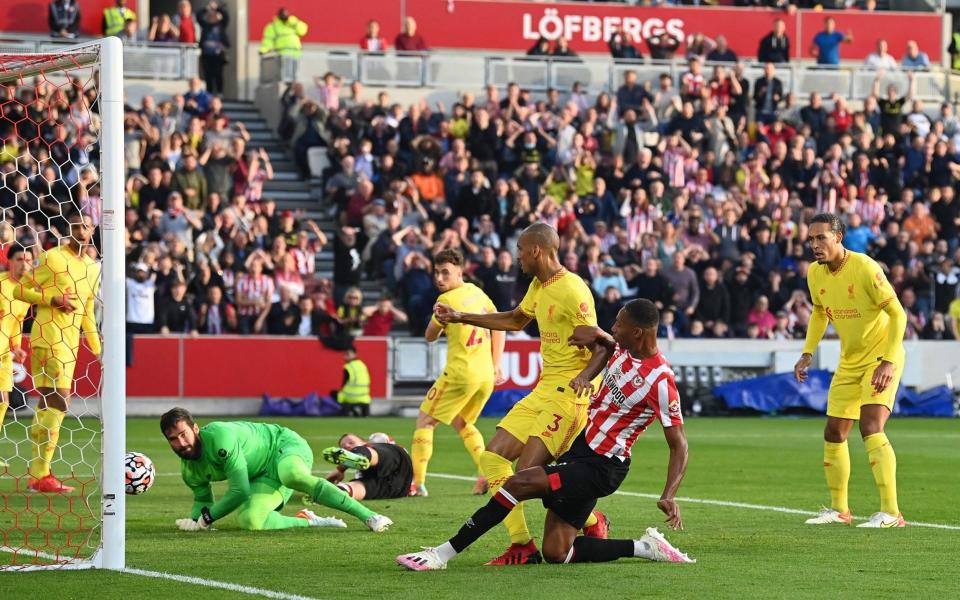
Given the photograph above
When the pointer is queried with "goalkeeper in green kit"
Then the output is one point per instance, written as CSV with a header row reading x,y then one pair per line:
x,y
263,464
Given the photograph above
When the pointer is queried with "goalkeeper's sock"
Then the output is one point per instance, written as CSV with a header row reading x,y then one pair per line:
x,y
328,494
591,521
422,451
836,465
3,412
45,432
589,549
883,463
473,442
498,470
482,521
275,520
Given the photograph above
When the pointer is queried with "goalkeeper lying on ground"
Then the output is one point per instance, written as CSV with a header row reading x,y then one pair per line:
x,y
264,464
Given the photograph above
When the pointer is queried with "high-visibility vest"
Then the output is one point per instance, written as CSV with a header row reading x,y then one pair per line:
x,y
283,37
114,20
357,388
956,52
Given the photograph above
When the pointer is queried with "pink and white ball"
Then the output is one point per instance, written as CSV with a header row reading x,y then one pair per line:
x,y
138,473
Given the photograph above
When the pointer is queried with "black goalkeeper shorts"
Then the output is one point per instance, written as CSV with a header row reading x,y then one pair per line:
x,y
578,478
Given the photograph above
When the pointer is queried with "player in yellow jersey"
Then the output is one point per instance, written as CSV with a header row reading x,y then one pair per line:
x,y
64,287
542,426
472,370
850,291
12,313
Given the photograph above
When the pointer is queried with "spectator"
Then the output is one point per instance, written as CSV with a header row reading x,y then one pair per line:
x,y
282,35
826,44
881,58
379,319
283,317
191,182
775,46
761,317
653,286
631,95
373,41
175,314
63,17
699,46
141,289
217,316
130,33
540,48
920,226
115,18
914,59
608,307
197,100
562,49
722,52
417,292
714,301
767,94
409,40
214,42
185,23
621,48
663,45
254,295
686,290
936,329
500,281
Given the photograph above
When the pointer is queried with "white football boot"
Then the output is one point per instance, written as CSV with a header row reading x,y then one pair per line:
x,y
882,520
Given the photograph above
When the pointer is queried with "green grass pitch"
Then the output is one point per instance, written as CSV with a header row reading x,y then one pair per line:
x,y
742,552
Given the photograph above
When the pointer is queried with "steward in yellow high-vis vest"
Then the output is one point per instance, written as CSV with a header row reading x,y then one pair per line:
x,y
282,35
114,18
354,396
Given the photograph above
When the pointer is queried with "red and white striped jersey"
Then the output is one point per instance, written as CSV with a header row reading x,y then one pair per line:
x,y
632,394
254,288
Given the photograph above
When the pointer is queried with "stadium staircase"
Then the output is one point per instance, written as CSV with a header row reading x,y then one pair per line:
x,y
290,192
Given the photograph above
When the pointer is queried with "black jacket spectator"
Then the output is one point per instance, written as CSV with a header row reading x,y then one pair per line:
x,y
655,288
774,49
714,304
621,49
500,285
63,17
775,87
176,316
283,318
471,203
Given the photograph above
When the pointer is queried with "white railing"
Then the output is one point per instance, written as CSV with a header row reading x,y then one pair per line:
x,y
595,73
140,60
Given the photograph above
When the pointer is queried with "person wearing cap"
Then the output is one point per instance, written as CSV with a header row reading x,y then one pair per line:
x,y
141,289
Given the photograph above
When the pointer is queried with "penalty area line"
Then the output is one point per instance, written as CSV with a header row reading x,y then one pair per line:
x,y
726,503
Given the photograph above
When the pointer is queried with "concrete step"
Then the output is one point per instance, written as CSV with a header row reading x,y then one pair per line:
x,y
291,196
287,175
284,185
285,202
251,114
232,105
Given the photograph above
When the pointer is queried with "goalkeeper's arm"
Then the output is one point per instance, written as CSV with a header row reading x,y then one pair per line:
x,y
202,498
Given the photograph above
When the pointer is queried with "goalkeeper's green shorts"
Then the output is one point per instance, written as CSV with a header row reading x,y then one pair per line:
x,y
290,443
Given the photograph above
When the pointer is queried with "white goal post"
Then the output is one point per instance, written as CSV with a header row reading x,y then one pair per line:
x,y
99,502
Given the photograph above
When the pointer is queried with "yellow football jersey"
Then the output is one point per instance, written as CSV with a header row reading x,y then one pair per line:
x,y
59,271
469,353
12,313
853,299
559,305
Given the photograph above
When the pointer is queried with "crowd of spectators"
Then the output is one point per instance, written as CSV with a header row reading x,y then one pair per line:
x,y
694,193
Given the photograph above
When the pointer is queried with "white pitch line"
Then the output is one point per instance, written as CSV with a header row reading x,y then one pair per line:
x,y
222,585
780,509
211,583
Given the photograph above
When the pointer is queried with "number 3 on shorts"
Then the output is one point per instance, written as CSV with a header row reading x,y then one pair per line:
x,y
555,426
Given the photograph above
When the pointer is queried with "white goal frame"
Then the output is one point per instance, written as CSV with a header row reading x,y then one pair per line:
x,y
112,550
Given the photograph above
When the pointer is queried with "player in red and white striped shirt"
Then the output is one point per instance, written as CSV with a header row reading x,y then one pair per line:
x,y
637,388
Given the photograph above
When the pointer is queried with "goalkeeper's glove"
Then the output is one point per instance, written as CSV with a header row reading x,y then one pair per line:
x,y
201,524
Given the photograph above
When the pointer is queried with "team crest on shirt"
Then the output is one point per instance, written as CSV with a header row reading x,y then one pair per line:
x,y
823,291
550,310
674,406
850,292
829,312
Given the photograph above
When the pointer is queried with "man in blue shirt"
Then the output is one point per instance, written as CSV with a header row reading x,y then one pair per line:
x,y
858,236
826,44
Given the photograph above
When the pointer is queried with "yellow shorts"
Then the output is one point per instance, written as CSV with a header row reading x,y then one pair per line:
x,y
6,372
52,368
448,399
851,389
556,418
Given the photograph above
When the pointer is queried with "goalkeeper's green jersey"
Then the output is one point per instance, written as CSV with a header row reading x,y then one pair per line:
x,y
236,451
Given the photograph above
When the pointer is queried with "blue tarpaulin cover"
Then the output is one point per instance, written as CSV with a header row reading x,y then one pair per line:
x,y
311,405
775,393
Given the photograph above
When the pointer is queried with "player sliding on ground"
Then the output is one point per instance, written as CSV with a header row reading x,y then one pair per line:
x,y
637,388
472,370
264,464
850,291
542,426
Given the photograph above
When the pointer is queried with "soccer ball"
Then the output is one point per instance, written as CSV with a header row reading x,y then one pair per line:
x,y
380,438
138,473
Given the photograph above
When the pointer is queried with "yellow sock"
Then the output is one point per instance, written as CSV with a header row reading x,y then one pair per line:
x,y
836,464
45,432
422,451
498,470
3,412
473,442
883,462
591,521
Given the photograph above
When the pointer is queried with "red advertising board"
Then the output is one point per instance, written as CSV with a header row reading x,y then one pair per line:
x,y
513,25
31,16
232,366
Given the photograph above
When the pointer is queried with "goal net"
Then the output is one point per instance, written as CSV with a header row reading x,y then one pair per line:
x,y
62,369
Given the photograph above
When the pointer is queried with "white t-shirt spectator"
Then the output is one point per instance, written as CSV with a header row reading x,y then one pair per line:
x,y
876,61
140,301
